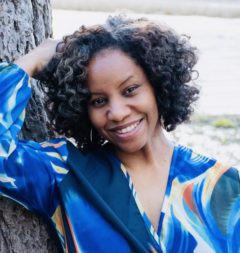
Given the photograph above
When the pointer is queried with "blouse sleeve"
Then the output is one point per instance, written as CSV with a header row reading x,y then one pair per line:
x,y
29,171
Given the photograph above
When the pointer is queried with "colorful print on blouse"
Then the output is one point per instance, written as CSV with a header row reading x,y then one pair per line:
x,y
201,207
29,171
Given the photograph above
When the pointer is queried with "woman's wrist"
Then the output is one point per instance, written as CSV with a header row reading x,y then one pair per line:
x,y
33,62
27,63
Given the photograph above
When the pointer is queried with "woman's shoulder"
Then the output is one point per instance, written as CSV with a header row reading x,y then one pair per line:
x,y
191,162
206,178
186,156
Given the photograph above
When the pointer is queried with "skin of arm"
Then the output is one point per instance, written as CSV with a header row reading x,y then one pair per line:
x,y
33,62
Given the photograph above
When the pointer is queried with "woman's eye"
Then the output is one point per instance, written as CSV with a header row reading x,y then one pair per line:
x,y
98,102
131,90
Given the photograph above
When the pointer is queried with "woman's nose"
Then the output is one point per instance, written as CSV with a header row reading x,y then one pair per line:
x,y
118,110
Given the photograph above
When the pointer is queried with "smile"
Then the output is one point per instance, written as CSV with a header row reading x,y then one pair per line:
x,y
128,129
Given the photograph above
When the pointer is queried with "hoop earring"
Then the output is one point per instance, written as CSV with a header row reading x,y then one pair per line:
x,y
91,135
95,138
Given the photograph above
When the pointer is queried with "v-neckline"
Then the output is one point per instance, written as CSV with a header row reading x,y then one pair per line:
x,y
155,233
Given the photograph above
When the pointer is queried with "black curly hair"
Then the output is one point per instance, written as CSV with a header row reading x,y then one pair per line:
x,y
166,58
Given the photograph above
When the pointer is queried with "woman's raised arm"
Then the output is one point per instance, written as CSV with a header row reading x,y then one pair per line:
x,y
33,62
29,170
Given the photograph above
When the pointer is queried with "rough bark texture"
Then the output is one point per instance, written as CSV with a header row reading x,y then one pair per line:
x,y
23,25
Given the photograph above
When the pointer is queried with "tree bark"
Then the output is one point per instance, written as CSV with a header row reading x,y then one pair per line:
x,y
24,24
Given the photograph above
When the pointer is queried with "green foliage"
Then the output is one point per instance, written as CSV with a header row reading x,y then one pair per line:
x,y
224,123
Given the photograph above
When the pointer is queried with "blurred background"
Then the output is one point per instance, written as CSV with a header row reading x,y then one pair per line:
x,y
214,28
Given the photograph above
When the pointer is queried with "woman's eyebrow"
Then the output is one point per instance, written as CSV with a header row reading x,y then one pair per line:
x,y
97,93
127,79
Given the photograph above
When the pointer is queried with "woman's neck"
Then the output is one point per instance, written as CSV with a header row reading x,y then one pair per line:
x,y
156,154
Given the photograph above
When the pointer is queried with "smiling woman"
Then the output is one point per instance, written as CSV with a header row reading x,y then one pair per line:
x,y
123,106
114,88
166,59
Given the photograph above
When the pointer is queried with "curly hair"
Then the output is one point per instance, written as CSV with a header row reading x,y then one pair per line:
x,y
166,58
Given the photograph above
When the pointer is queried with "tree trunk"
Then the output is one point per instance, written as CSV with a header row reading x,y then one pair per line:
x,y
23,25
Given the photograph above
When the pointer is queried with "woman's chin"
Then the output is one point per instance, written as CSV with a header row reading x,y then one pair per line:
x,y
129,148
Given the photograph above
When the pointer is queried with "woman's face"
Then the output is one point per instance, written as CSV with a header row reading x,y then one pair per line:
x,y
122,107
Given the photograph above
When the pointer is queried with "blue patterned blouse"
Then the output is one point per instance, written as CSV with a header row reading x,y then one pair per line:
x,y
201,208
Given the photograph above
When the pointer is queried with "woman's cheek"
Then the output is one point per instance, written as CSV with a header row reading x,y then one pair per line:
x,y
91,115
96,118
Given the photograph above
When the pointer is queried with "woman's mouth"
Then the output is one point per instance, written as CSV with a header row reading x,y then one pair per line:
x,y
127,131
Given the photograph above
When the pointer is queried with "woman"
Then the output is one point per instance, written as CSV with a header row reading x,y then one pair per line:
x,y
113,88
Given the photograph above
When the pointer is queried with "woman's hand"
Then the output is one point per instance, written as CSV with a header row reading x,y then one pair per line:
x,y
37,59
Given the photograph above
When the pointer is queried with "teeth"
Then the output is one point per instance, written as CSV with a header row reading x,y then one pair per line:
x,y
128,129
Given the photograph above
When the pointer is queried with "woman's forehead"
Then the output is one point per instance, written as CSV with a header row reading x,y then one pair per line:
x,y
112,66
